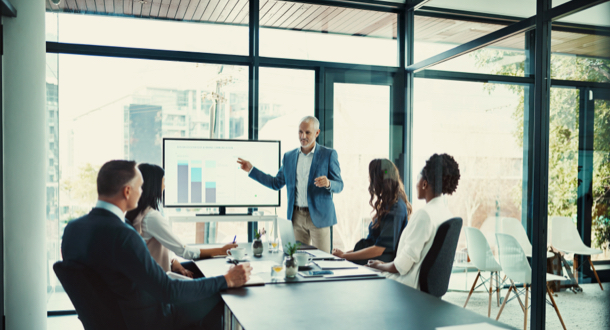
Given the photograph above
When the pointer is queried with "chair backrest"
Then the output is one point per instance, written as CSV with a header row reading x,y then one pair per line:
x,y
479,252
436,268
95,304
565,236
513,260
514,228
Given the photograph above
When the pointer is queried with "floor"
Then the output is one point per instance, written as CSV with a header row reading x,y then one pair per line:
x,y
589,309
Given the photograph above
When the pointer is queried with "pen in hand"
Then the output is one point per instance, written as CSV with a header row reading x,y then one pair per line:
x,y
234,239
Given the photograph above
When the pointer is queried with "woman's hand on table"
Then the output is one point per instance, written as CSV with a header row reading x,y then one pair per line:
x,y
338,253
374,263
238,275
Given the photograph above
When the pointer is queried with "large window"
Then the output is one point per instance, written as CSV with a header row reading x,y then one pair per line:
x,y
324,33
358,139
286,96
481,126
113,108
206,30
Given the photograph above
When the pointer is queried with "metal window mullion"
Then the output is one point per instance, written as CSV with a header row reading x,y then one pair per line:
x,y
253,85
540,138
584,202
408,33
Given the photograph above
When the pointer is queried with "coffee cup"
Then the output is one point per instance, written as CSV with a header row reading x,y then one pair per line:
x,y
302,258
237,253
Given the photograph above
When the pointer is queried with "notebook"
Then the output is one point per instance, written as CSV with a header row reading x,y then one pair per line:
x,y
340,264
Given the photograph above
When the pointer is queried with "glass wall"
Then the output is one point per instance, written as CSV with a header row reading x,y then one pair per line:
x,y
112,108
436,35
481,126
358,139
199,31
324,33
600,227
285,96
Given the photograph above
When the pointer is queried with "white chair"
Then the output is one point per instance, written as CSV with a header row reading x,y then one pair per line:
x,y
565,238
483,259
513,227
515,266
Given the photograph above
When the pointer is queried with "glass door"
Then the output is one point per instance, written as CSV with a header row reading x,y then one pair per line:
x,y
357,124
594,179
599,185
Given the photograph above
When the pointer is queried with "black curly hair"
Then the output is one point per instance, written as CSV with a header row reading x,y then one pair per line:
x,y
442,173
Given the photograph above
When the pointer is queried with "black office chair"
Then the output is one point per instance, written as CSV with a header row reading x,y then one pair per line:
x,y
436,268
95,304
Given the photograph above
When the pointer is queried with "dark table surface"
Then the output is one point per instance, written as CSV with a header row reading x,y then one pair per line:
x,y
337,304
366,304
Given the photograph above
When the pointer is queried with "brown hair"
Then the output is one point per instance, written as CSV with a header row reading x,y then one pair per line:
x,y
114,175
386,188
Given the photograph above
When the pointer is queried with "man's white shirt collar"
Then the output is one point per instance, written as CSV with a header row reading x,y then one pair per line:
x,y
311,152
112,208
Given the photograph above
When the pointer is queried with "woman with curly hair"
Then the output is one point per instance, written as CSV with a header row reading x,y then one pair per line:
x,y
440,176
391,212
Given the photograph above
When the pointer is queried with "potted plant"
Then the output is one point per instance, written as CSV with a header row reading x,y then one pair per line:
x,y
291,264
257,244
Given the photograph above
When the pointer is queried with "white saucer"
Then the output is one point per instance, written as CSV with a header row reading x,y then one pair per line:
x,y
245,259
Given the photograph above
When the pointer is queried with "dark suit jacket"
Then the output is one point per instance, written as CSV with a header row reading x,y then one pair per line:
x,y
320,200
114,250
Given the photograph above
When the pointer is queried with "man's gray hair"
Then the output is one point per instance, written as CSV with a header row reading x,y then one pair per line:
x,y
316,122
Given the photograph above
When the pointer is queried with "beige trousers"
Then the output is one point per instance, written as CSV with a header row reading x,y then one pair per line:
x,y
306,232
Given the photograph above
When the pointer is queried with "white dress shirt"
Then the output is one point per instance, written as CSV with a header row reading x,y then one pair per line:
x,y
303,168
416,240
156,225
112,208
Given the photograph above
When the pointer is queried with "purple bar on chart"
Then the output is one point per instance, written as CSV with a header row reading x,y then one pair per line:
x,y
195,192
183,181
196,182
210,192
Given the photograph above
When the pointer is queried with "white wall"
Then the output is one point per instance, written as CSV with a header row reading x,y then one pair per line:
x,y
25,158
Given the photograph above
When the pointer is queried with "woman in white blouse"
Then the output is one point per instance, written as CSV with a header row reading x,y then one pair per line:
x,y
440,176
155,229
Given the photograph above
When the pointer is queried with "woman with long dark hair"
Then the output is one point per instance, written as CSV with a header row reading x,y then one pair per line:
x,y
440,176
391,211
155,228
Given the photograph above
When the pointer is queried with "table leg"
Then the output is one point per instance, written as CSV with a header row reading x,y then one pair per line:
x,y
230,321
575,269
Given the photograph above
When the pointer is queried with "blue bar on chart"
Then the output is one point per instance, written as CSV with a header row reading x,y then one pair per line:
x,y
210,192
196,187
183,181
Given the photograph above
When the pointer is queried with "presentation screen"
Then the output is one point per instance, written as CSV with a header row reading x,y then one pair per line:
x,y
205,173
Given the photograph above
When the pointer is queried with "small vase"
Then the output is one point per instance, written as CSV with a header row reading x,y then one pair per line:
x,y
257,248
291,267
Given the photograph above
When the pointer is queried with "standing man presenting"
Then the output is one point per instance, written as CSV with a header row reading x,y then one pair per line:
x,y
311,174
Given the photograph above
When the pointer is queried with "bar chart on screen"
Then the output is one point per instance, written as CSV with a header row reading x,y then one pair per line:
x,y
205,172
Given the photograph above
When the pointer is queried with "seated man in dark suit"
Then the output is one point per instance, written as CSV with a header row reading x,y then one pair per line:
x,y
147,297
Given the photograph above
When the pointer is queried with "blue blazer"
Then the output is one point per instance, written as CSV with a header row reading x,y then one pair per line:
x,y
118,254
320,200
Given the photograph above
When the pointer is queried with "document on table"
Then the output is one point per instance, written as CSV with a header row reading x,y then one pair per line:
x,y
476,326
327,264
359,272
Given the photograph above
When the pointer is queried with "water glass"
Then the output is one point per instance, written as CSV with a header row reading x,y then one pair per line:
x,y
274,245
276,271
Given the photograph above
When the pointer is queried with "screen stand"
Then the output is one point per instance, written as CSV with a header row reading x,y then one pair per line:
x,y
222,210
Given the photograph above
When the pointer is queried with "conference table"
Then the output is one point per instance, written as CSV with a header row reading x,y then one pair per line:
x,y
335,303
